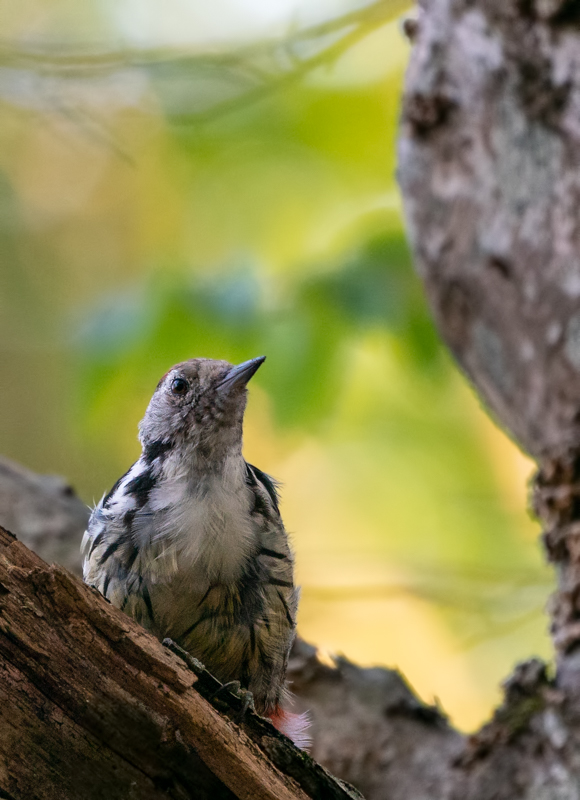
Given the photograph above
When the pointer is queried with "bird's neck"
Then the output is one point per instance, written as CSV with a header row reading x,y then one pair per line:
x,y
199,464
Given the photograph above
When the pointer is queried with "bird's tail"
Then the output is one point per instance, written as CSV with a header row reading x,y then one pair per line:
x,y
294,726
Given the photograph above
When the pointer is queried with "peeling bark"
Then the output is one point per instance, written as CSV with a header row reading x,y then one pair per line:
x,y
92,706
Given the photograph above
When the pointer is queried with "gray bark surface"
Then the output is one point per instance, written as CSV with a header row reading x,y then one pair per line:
x,y
489,166
44,512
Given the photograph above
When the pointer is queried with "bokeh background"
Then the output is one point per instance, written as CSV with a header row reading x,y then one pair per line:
x,y
181,178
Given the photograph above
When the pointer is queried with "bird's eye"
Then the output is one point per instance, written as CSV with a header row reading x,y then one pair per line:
x,y
179,386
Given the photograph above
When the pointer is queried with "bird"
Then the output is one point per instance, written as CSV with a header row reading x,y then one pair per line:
x,y
190,541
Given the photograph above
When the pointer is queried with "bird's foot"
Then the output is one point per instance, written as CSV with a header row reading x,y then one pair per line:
x,y
245,697
193,663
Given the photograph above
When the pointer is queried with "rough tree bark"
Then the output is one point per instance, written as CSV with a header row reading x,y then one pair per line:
x,y
92,706
489,158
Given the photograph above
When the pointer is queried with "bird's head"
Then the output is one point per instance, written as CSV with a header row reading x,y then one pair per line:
x,y
199,404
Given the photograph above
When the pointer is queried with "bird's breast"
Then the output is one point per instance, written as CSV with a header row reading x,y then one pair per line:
x,y
205,527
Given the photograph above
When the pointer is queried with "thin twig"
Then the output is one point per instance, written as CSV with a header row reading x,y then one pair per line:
x,y
52,60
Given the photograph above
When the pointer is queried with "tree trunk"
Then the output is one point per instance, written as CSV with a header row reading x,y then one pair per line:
x,y
488,159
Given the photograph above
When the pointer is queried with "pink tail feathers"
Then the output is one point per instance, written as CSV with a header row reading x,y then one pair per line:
x,y
294,726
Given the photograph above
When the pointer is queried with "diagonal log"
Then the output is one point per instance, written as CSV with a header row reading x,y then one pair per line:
x,y
92,706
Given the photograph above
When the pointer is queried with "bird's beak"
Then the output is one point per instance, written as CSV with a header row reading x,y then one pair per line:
x,y
241,373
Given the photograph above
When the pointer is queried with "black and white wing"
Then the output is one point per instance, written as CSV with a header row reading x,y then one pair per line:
x,y
116,562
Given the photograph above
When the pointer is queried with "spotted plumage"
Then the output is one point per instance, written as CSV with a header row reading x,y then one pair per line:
x,y
190,541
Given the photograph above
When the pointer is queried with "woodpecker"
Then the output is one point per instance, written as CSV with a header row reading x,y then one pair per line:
x,y
190,541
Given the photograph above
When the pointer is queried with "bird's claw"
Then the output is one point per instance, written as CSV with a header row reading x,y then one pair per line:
x,y
230,686
193,663
245,697
247,700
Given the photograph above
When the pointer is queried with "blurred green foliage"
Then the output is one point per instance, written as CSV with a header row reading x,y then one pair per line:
x,y
304,330
163,197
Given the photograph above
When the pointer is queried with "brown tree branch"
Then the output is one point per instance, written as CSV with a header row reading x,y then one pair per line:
x,y
93,706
